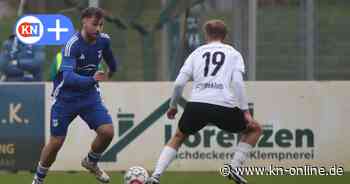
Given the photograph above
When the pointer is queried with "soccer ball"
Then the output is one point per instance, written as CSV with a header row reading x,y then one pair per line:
x,y
135,175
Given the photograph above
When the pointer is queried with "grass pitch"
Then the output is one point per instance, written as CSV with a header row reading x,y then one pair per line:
x,y
173,178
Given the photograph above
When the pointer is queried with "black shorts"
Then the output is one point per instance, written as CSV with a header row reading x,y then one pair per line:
x,y
198,115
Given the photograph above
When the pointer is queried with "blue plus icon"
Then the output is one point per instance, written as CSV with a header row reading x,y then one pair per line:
x,y
58,29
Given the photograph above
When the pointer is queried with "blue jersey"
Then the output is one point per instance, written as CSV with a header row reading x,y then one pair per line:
x,y
80,62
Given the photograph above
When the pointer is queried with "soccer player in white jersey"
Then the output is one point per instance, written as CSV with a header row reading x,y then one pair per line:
x,y
218,96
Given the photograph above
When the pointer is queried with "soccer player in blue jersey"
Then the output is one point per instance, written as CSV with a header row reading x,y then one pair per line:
x,y
76,93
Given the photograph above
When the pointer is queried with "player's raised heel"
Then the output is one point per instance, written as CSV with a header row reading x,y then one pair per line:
x,y
152,180
235,176
94,169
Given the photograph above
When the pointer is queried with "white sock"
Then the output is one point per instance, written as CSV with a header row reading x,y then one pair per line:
x,y
167,155
41,172
241,154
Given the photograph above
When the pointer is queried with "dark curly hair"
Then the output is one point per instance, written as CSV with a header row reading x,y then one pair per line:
x,y
92,12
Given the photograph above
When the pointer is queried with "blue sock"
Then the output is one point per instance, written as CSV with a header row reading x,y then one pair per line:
x,y
41,172
94,157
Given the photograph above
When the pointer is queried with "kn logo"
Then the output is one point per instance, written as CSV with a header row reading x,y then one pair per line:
x,y
29,29
44,29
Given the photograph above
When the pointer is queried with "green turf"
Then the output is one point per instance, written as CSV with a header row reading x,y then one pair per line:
x,y
174,178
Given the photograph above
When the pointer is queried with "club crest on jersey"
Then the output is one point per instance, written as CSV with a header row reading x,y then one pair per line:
x,y
82,57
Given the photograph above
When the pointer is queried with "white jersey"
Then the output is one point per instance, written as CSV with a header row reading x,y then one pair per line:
x,y
211,67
